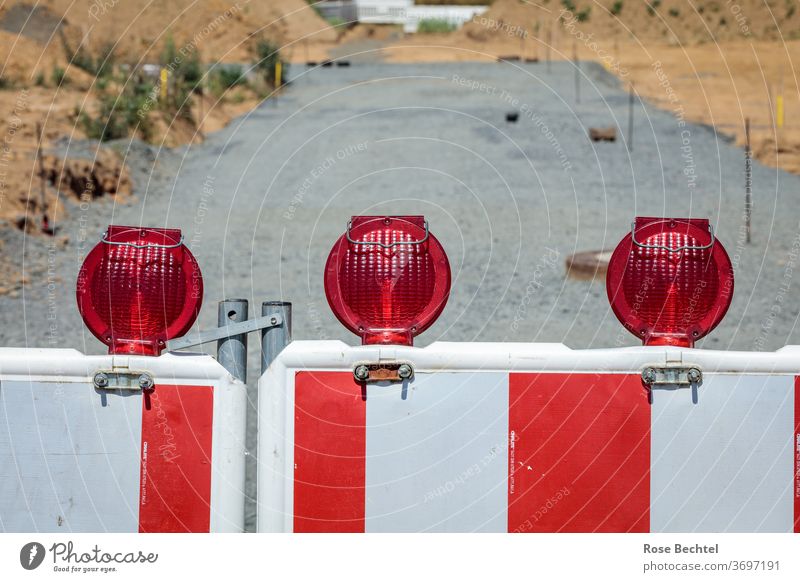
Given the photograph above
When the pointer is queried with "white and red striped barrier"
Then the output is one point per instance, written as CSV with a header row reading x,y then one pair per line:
x,y
75,457
528,438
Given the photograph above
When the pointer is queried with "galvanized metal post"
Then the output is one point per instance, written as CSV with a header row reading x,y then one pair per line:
x,y
274,339
232,351
748,180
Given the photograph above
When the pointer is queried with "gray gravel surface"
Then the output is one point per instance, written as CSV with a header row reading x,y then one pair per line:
x,y
262,202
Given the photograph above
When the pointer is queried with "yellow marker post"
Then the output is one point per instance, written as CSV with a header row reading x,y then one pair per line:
x,y
164,80
779,111
278,71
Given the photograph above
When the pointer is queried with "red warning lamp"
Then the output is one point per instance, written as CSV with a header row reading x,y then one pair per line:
x,y
670,280
387,278
138,288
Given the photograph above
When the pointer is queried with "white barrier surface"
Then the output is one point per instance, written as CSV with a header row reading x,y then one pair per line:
x,y
78,458
528,438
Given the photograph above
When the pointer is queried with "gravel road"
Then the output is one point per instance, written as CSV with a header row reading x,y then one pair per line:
x,y
261,203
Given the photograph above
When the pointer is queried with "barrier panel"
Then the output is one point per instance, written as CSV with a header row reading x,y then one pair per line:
x,y
119,443
503,437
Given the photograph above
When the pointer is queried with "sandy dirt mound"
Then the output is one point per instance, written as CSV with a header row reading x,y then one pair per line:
x,y
220,29
722,85
669,21
23,59
41,87
100,175
511,26
711,62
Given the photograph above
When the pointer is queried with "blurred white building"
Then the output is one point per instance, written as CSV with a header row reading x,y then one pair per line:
x,y
403,12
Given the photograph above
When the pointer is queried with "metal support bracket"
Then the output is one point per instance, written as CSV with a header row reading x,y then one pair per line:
x,y
225,331
383,371
117,380
675,375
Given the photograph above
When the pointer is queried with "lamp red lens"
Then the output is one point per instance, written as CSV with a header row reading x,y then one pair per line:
x,y
138,288
670,281
387,278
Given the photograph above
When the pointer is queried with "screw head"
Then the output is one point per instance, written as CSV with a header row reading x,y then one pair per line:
x,y
273,320
361,373
648,375
145,381
694,375
405,371
101,380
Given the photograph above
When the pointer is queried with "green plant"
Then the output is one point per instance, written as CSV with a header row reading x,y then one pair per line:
x,y
674,12
100,66
616,8
58,76
121,113
336,22
583,15
267,56
192,71
569,5
653,6
39,81
722,21
104,62
183,67
227,78
237,98
183,77
5,83
435,26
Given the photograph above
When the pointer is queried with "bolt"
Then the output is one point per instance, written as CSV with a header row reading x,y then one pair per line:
x,y
273,320
648,376
694,375
145,382
361,373
405,371
101,380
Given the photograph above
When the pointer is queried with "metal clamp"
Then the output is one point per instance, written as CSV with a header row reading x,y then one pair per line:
x,y
104,240
224,332
383,372
382,245
672,375
670,249
116,380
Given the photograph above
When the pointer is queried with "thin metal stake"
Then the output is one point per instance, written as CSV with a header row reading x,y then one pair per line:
x,y
274,339
748,178
42,186
629,137
232,351
577,72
